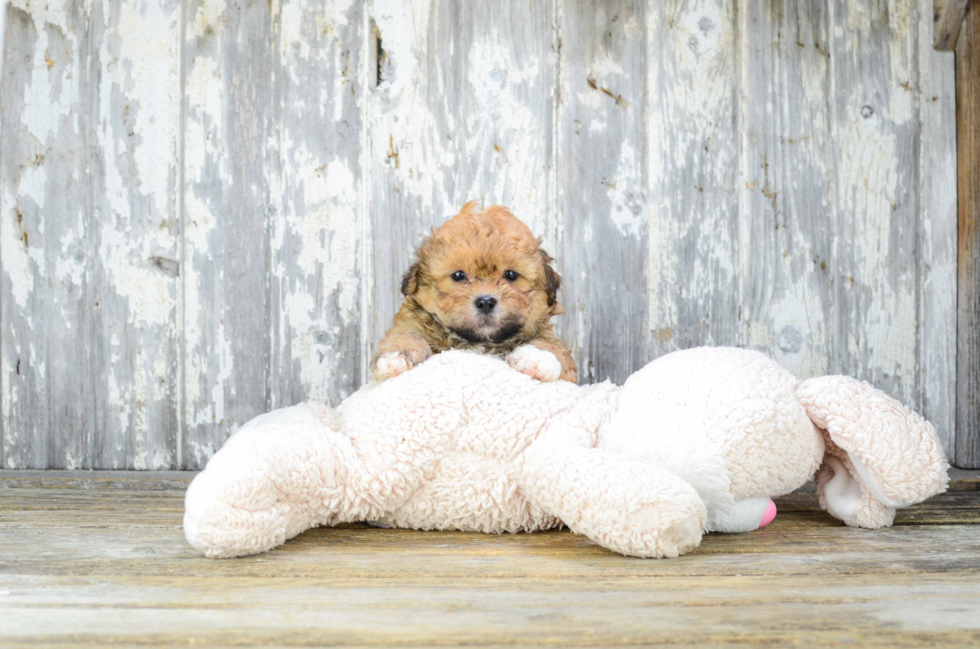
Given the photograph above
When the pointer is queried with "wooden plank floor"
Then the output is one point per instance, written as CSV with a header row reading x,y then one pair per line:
x,y
99,559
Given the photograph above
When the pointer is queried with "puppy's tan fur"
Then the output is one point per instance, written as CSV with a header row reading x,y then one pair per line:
x,y
439,313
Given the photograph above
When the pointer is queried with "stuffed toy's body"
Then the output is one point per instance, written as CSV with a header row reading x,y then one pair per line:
x,y
697,441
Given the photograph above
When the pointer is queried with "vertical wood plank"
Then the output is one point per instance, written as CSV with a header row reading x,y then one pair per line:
x,y
949,18
316,230
134,225
692,148
968,309
47,320
464,111
937,232
89,236
3,422
601,176
786,186
873,62
228,109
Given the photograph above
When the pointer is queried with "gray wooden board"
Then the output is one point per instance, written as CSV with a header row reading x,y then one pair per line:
x,y
968,305
317,230
101,560
936,95
600,184
228,108
692,148
786,188
875,156
206,208
90,246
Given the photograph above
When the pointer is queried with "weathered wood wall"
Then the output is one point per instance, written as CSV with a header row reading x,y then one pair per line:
x,y
207,205
968,150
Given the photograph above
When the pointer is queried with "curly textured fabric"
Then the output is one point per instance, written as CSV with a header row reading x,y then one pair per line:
x,y
697,441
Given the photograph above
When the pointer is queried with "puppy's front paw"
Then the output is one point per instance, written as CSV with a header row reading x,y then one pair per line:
x,y
536,363
391,364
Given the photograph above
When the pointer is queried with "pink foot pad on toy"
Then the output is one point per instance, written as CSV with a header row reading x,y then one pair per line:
x,y
769,515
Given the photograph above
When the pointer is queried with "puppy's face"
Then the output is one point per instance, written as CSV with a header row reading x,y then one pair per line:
x,y
484,277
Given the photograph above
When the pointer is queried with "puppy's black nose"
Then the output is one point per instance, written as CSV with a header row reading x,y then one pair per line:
x,y
485,304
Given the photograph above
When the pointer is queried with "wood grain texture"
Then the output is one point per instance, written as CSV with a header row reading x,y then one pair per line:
x,y
786,187
875,154
316,225
228,108
692,149
89,235
602,195
936,100
948,20
968,305
109,566
207,207
28,283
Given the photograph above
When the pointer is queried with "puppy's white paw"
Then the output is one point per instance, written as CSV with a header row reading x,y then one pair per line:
x,y
390,365
536,363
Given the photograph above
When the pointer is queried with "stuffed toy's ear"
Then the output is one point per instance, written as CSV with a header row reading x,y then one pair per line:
x,y
879,454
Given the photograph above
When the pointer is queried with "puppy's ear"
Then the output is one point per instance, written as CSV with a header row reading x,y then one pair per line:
x,y
471,207
410,281
552,281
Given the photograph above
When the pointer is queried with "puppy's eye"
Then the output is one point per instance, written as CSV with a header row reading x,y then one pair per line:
x,y
459,276
510,275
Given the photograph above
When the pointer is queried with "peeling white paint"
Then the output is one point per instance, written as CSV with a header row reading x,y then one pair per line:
x,y
140,428
134,121
199,226
291,16
429,150
692,258
316,236
869,180
33,185
43,107
204,128
54,12
313,358
8,392
15,255
208,359
148,75
209,17
625,200
202,452
71,462
403,123
71,264
516,174
151,294
226,363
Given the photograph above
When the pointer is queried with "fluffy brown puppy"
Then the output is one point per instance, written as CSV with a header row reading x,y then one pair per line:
x,y
480,282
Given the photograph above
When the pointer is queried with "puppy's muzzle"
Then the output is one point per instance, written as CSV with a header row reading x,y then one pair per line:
x,y
485,304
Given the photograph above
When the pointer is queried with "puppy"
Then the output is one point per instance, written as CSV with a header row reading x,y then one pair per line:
x,y
480,282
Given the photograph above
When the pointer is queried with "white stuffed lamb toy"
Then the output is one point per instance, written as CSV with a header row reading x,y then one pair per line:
x,y
697,441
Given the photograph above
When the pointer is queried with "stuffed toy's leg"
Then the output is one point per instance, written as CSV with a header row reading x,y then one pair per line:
x,y
278,475
879,454
627,506
746,515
